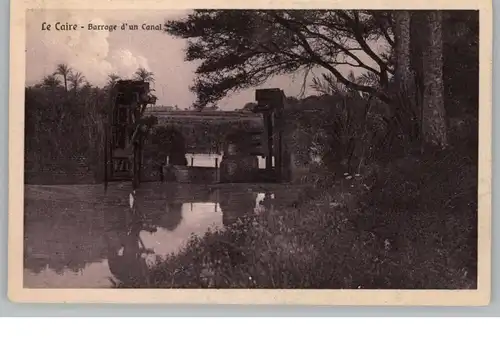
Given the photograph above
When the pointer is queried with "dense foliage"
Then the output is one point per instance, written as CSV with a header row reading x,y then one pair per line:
x,y
63,128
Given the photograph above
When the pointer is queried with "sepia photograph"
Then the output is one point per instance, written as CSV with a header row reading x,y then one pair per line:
x,y
251,150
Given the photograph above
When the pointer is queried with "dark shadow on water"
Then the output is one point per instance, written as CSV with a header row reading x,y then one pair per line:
x,y
77,236
126,249
125,253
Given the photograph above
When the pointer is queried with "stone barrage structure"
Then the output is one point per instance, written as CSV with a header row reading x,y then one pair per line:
x,y
237,164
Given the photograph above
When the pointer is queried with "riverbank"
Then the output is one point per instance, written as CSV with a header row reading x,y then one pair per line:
x,y
415,227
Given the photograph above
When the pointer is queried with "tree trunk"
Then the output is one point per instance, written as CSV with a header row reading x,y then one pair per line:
x,y
405,110
418,32
433,120
402,47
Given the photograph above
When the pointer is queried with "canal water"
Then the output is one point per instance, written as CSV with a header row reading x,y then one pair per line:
x,y
74,235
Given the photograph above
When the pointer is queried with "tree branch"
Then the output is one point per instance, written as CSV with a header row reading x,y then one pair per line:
x,y
358,34
329,67
342,48
384,31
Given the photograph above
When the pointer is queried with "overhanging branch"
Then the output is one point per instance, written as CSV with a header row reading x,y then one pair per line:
x,y
316,58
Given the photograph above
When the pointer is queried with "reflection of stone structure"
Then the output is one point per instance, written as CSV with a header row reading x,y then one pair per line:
x,y
237,165
236,204
154,210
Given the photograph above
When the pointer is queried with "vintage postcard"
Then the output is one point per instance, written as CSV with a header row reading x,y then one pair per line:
x,y
266,152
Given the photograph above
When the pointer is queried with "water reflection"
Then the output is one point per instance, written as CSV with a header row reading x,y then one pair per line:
x,y
125,248
197,219
265,202
235,204
80,237
60,235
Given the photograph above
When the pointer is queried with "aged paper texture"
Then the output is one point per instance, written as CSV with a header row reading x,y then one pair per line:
x,y
278,152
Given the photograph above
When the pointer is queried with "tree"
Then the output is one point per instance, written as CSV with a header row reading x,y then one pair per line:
x,y
144,75
433,119
65,71
405,106
112,79
76,79
461,62
329,85
402,48
51,82
239,49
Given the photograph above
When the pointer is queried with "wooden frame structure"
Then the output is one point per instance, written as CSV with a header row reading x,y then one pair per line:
x,y
123,141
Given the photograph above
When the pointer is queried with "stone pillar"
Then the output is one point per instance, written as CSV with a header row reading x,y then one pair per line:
x,y
237,165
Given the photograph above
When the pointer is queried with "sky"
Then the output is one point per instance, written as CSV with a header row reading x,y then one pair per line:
x,y
98,53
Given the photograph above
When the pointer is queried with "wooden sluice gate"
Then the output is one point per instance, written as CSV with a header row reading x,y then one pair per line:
x,y
125,131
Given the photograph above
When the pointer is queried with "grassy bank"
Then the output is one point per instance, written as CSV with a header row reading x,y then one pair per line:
x,y
412,227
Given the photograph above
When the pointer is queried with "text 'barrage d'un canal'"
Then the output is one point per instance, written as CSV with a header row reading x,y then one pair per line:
x,y
58,26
